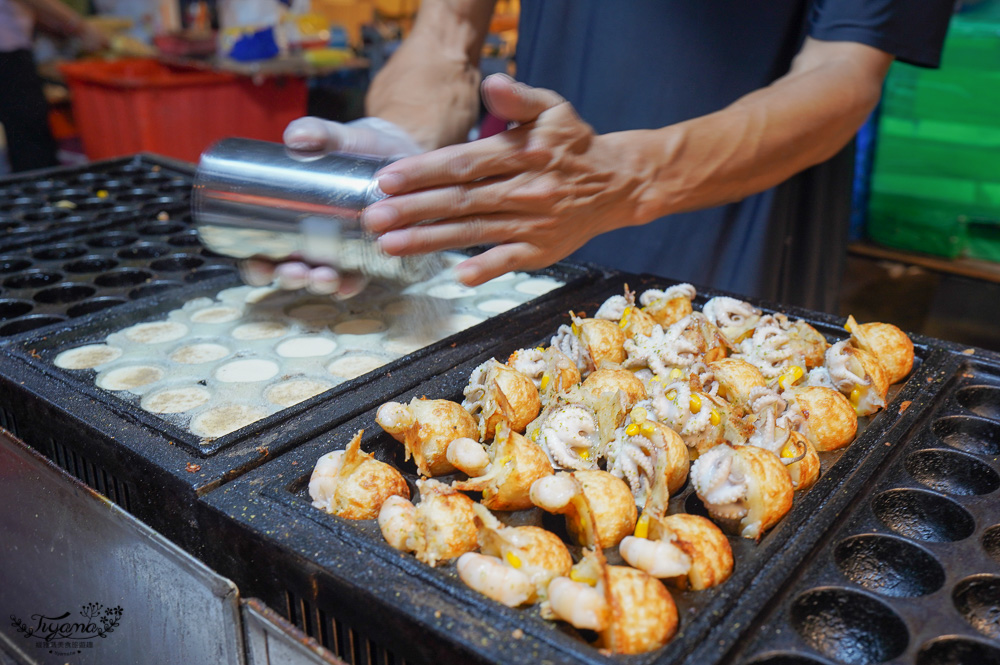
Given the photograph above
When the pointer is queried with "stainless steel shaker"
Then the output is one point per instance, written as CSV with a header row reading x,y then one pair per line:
x,y
255,198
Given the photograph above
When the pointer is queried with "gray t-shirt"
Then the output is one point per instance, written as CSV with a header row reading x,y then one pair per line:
x,y
642,64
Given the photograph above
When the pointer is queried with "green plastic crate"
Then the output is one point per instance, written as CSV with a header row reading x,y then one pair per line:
x,y
935,184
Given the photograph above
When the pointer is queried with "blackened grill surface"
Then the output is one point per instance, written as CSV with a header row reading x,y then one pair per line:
x,y
64,202
51,283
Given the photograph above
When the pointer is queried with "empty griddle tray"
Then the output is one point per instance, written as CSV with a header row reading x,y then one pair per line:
x,y
145,463
910,571
63,202
327,571
50,283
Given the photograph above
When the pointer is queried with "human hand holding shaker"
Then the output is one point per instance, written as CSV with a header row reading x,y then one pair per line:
x,y
294,215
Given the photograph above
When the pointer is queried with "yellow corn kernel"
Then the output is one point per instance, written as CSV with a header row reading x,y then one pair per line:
x,y
577,576
787,452
642,527
540,349
624,320
513,560
102,193
676,373
856,396
632,429
585,454
672,395
647,429
790,377
639,414
505,460
657,379
534,434
714,417
545,380
695,404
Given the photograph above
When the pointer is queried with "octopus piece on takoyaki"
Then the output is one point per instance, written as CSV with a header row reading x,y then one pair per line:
x,y
892,346
766,407
702,420
689,550
651,458
859,375
569,434
623,311
550,369
662,351
352,484
710,342
776,430
734,318
426,427
670,306
439,528
768,348
745,486
497,393
515,564
513,464
631,611
801,461
736,378
599,508
590,343
808,344
823,415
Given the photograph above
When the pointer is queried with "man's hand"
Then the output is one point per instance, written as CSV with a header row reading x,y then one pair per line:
x,y
537,192
367,136
294,275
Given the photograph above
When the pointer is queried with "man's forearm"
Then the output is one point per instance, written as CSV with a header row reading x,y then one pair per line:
x,y
55,16
430,86
762,139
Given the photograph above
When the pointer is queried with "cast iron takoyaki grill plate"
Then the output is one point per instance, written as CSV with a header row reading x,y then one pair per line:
x,y
63,202
334,577
156,469
50,283
909,572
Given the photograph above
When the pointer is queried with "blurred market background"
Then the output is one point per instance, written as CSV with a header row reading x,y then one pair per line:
x,y
179,74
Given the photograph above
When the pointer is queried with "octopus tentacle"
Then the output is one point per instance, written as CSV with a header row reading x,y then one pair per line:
x,y
837,359
569,344
612,309
718,484
727,312
662,350
567,430
530,362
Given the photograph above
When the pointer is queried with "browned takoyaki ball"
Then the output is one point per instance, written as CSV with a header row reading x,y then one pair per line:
x,y
352,484
426,427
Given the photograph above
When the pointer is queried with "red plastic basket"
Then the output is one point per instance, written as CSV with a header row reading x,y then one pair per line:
x,y
141,105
